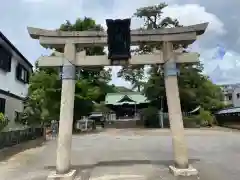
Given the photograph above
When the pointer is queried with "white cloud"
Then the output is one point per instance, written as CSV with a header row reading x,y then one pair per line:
x,y
190,14
47,2
223,71
34,1
118,81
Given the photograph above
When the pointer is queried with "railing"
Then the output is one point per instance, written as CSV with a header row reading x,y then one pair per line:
x,y
158,120
112,117
11,138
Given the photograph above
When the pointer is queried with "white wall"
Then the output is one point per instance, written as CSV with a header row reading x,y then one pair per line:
x,y
236,100
8,81
226,100
12,105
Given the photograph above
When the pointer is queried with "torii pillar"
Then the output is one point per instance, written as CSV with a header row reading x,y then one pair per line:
x,y
181,166
66,111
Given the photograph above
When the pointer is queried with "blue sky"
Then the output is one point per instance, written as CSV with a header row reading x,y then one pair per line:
x,y
224,27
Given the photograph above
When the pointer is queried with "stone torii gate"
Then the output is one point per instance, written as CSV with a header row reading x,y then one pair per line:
x,y
70,59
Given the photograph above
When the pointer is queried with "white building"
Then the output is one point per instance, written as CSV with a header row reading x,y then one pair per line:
x,y
231,94
15,70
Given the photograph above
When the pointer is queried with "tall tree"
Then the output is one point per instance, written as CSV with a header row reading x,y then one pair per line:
x,y
43,103
195,88
94,74
152,16
134,75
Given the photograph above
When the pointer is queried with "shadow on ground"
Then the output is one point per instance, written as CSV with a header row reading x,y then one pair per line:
x,y
8,152
123,163
96,131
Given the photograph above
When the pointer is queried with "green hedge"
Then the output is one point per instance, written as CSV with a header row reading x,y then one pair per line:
x,y
192,122
150,118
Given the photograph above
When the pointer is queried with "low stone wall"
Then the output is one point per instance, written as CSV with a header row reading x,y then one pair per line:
x,y
123,124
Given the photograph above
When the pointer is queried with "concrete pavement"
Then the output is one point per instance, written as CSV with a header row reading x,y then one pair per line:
x,y
132,154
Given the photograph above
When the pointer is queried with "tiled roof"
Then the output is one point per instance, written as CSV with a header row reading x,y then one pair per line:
x,y
115,98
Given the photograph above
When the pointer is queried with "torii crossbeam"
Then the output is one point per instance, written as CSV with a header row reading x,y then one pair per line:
x,y
70,41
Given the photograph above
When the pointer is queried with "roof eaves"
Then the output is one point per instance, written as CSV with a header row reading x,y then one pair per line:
x,y
15,49
229,110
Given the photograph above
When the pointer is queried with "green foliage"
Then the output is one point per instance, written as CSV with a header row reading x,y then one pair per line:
x,y
152,16
101,107
134,75
207,119
3,121
122,89
150,117
1,117
195,89
93,74
204,118
43,100
191,121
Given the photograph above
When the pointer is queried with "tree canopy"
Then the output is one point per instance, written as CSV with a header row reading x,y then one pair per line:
x,y
194,87
43,103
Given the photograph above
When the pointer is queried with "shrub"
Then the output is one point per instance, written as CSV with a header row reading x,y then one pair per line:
x,y
1,117
150,117
206,117
191,121
3,121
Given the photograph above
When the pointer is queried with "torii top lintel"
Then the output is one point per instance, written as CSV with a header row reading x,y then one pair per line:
x,y
55,38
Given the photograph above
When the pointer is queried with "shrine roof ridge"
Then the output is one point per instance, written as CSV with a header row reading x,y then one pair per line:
x,y
35,33
125,93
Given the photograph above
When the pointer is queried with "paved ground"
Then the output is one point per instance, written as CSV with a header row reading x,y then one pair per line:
x,y
132,154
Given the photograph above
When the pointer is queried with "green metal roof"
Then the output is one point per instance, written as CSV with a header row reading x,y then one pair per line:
x,y
116,98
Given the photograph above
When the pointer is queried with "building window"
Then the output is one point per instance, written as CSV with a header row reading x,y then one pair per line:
x,y
17,116
238,95
5,59
2,105
229,97
22,74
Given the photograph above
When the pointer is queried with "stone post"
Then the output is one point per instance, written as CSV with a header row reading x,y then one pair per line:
x,y
66,111
174,108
